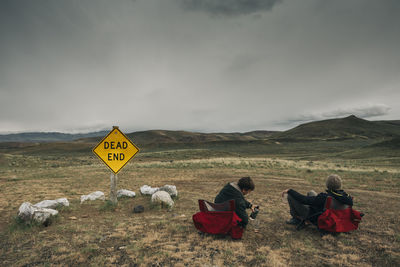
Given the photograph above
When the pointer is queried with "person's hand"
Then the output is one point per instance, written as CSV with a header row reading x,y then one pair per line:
x,y
253,207
284,192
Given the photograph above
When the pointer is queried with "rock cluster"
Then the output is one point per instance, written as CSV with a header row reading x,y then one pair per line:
x,y
148,190
161,194
42,211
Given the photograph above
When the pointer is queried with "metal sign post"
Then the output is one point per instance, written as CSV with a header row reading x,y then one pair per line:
x,y
115,150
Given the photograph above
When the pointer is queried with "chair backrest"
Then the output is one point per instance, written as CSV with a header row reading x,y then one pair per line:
x,y
208,206
338,217
332,203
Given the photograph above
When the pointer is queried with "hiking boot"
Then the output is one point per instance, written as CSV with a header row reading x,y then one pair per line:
x,y
293,221
301,225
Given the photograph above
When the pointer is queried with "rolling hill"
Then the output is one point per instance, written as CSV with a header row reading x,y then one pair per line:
x,y
342,128
350,127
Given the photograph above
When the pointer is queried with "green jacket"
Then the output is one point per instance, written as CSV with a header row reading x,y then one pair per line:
x,y
232,191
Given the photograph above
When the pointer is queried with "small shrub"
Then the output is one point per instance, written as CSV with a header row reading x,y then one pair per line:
x,y
260,258
154,206
90,249
108,206
65,209
228,253
19,224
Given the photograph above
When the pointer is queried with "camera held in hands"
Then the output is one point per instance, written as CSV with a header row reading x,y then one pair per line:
x,y
253,215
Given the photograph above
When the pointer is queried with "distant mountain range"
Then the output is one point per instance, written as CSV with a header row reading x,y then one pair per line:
x,y
160,136
42,137
143,137
333,129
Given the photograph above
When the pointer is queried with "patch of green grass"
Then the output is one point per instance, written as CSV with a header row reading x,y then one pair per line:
x,y
136,247
178,228
108,206
375,188
308,242
69,209
228,253
124,198
18,224
90,249
260,258
154,206
347,241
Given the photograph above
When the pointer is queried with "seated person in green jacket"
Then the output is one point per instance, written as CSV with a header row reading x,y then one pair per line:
x,y
237,191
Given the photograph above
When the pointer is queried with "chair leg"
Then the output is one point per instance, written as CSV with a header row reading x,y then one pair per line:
x,y
301,225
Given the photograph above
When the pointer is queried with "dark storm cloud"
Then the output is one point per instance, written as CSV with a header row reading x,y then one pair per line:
x,y
229,7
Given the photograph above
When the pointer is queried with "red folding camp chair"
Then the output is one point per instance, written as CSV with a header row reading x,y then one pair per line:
x,y
218,218
335,218
338,217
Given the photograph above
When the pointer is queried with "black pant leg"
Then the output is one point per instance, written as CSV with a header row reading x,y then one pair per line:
x,y
298,210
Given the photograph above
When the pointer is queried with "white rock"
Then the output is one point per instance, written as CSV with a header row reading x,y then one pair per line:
x,y
148,190
162,197
93,196
63,201
52,204
28,212
125,193
170,189
41,215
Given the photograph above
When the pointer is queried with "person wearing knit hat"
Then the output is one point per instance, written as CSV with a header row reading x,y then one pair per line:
x,y
301,206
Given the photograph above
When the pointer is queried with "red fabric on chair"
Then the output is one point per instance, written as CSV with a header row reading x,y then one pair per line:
x,y
338,220
218,219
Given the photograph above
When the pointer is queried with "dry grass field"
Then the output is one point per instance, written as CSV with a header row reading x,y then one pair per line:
x,y
98,234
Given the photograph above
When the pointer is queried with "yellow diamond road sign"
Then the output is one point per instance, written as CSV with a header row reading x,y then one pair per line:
x,y
115,150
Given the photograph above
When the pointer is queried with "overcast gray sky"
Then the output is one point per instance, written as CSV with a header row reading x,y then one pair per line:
x,y
202,65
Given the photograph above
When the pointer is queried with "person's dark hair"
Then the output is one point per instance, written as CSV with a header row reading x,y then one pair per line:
x,y
246,183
